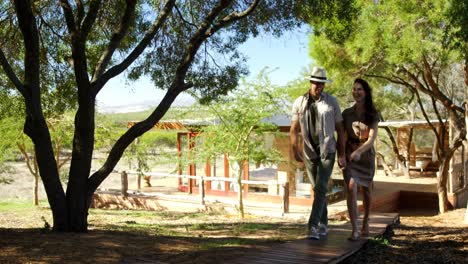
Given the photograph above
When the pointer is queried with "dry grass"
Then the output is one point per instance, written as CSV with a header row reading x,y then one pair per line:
x,y
173,237
137,236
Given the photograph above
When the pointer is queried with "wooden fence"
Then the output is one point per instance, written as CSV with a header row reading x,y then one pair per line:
x,y
283,184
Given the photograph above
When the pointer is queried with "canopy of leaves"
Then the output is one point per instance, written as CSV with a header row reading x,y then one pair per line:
x,y
214,71
58,90
390,43
333,19
457,31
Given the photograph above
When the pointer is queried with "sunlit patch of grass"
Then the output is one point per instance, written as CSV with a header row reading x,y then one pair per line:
x,y
23,214
163,215
227,242
16,206
249,227
206,226
380,241
193,225
143,229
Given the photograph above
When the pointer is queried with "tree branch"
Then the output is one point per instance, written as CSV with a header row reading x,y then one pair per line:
x,y
434,106
182,17
384,78
90,18
423,110
223,120
198,38
23,151
27,24
39,14
69,18
11,74
116,39
234,16
117,69
78,41
436,91
80,11
126,139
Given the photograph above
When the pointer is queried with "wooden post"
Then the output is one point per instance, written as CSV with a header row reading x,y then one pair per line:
x,y
192,168
179,155
138,181
285,196
192,172
246,176
138,178
466,128
466,214
284,190
201,190
282,144
124,178
208,174
226,173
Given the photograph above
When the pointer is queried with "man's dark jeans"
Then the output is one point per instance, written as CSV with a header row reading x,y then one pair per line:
x,y
319,173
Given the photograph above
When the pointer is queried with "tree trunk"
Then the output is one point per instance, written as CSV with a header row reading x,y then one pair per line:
x,y
239,192
388,171
404,168
83,146
402,162
48,171
36,189
442,177
138,181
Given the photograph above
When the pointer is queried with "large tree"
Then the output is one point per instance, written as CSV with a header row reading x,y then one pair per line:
x,y
403,45
181,44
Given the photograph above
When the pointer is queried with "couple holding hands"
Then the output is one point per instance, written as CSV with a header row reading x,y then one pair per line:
x,y
317,115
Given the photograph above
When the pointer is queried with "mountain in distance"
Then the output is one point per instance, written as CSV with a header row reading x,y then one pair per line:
x,y
141,106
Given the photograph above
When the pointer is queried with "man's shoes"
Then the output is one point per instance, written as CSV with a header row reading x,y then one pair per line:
x,y
322,230
313,233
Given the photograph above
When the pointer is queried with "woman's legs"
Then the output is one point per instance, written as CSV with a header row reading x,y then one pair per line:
x,y
366,200
351,202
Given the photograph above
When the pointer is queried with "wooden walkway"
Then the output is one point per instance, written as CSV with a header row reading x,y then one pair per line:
x,y
332,249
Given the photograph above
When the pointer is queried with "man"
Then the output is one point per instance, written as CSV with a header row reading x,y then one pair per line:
x,y
316,115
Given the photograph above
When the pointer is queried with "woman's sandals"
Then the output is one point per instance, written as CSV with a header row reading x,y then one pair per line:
x,y
365,229
354,236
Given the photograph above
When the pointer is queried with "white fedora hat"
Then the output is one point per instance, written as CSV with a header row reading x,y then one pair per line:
x,y
318,74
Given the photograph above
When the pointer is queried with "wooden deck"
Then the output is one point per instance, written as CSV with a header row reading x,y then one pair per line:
x,y
389,195
332,249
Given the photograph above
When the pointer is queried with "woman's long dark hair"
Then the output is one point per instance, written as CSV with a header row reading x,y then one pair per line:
x,y
371,113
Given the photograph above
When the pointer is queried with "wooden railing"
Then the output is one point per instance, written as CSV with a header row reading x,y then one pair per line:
x,y
283,190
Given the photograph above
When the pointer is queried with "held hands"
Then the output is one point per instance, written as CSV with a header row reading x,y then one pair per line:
x,y
355,156
298,156
342,161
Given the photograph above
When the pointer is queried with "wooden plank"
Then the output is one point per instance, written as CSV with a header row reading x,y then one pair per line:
x,y
331,249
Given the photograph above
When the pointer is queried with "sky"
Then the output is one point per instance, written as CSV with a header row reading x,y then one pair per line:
x,y
286,56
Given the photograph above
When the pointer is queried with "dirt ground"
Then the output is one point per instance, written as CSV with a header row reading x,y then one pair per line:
x,y
421,237
417,239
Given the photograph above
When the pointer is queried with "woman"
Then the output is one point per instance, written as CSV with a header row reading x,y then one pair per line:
x,y
360,122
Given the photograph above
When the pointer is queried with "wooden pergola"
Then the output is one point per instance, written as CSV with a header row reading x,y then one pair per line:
x,y
189,131
425,159
420,158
